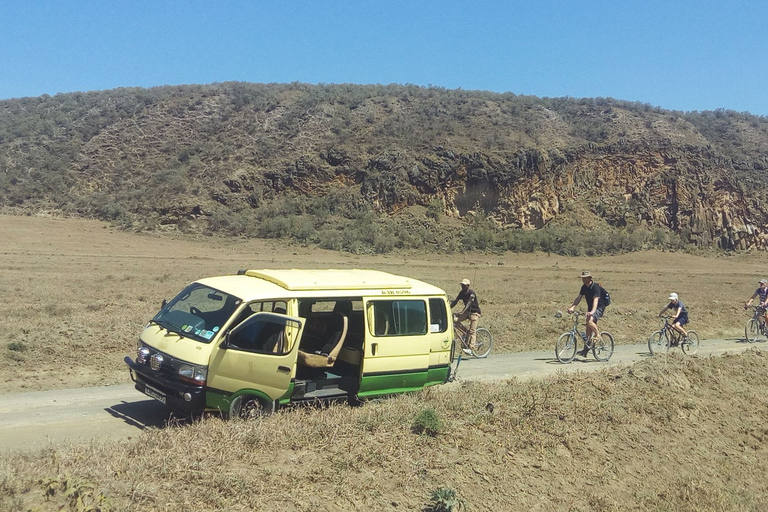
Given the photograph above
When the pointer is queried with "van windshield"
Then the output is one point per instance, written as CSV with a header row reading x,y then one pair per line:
x,y
198,312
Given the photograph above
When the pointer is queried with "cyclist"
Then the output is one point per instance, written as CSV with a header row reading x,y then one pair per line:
x,y
590,290
761,292
471,310
681,315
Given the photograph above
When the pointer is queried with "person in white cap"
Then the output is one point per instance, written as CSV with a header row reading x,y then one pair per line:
x,y
681,314
761,292
590,290
471,310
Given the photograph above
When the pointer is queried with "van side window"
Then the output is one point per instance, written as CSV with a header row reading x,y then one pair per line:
x,y
270,306
438,317
262,336
399,317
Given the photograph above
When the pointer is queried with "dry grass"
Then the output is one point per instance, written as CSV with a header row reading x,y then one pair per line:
x,y
665,434
77,293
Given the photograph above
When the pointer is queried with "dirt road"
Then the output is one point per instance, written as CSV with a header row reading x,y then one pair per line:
x,y
36,420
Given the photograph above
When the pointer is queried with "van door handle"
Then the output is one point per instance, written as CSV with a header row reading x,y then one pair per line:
x,y
283,369
373,348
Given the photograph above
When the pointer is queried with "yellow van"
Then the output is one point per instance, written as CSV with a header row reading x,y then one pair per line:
x,y
249,343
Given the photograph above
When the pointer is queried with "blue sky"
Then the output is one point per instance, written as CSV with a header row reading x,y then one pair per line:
x,y
680,55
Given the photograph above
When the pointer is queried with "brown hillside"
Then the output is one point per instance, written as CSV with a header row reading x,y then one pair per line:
x,y
235,157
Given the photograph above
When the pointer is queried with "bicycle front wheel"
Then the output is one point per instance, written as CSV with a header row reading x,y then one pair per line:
x,y
602,349
752,330
658,343
691,344
565,348
483,343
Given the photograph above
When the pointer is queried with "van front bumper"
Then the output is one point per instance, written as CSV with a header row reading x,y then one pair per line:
x,y
180,397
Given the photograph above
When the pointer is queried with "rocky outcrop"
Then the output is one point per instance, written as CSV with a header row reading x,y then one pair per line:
x,y
686,189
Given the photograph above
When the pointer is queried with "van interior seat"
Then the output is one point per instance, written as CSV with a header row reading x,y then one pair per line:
x,y
356,331
356,324
322,340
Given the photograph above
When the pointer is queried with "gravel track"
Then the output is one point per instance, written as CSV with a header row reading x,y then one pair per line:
x,y
36,420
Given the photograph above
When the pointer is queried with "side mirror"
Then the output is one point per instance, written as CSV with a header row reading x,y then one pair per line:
x,y
224,345
165,303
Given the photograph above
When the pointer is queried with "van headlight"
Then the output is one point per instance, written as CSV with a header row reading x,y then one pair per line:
x,y
193,374
142,354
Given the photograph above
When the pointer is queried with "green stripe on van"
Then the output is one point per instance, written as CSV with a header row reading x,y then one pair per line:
x,y
437,375
409,380
286,398
217,399
388,384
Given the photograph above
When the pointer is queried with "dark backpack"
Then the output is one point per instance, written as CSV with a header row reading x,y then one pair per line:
x,y
605,297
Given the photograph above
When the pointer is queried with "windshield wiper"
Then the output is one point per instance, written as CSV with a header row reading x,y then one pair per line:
x,y
168,326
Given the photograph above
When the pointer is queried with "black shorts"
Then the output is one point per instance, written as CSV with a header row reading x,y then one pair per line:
x,y
597,314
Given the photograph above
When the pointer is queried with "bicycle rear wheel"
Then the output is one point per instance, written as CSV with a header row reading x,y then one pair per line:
x,y
483,343
691,344
565,348
752,330
658,343
602,349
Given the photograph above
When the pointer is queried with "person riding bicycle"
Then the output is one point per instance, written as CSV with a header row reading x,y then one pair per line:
x,y
595,308
471,310
761,292
681,315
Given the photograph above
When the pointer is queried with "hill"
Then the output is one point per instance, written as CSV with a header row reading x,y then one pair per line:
x,y
371,168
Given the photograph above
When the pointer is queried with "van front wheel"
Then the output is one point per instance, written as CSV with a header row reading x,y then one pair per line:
x,y
249,408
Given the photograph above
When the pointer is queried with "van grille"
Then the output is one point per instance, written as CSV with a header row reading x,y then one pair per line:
x,y
163,363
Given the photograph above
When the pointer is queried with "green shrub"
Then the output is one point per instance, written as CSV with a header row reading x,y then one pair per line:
x,y
446,500
17,346
435,209
427,422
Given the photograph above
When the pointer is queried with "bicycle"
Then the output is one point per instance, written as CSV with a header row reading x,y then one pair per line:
x,y
483,342
756,325
565,348
660,341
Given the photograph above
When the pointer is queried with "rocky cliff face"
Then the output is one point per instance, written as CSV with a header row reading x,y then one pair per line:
x,y
687,189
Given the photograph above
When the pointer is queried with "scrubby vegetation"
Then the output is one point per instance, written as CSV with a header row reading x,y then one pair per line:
x,y
374,168
341,221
